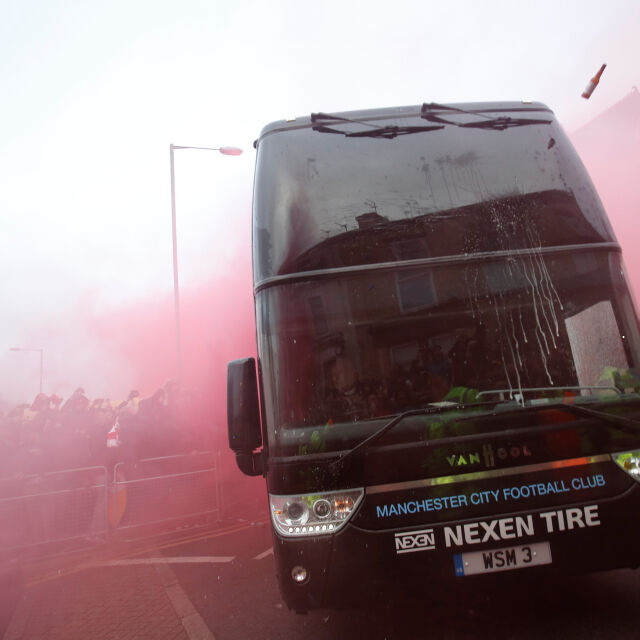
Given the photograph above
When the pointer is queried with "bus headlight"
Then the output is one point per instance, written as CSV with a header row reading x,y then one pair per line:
x,y
322,508
295,512
630,462
313,514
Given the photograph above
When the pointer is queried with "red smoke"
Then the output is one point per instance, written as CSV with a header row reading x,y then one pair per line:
x,y
609,146
217,318
217,325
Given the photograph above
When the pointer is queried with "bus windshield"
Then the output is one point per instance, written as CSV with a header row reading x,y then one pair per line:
x,y
375,344
326,201
391,273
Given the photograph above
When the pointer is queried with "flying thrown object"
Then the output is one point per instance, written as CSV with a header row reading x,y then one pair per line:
x,y
593,83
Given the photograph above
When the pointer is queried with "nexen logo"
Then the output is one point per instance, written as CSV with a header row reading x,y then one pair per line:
x,y
423,540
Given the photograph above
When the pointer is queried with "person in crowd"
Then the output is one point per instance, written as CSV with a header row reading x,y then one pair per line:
x,y
128,422
153,407
49,435
45,411
130,405
152,422
41,402
77,402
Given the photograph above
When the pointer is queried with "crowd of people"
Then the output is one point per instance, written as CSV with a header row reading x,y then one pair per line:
x,y
53,434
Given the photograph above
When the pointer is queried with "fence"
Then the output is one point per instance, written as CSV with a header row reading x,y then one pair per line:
x,y
149,495
138,499
59,506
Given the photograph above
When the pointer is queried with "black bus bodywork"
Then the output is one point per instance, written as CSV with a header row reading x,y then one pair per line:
x,y
447,349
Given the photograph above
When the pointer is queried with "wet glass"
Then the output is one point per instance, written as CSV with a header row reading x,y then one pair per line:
x,y
371,344
327,201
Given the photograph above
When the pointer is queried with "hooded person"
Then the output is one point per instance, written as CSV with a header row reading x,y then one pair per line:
x,y
77,402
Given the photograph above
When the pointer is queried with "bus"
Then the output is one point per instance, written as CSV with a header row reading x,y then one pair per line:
x,y
446,386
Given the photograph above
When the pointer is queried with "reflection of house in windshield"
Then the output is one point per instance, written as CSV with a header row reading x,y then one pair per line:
x,y
548,218
407,330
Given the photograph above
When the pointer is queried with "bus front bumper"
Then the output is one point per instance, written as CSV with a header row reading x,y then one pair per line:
x,y
356,564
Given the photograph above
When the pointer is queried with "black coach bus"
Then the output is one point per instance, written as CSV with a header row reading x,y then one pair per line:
x,y
447,347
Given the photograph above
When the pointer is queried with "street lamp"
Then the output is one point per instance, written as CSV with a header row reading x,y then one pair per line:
x,y
40,351
227,151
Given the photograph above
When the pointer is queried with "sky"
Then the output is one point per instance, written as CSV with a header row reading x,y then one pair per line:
x,y
93,94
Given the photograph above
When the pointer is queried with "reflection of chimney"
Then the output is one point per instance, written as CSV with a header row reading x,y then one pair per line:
x,y
370,220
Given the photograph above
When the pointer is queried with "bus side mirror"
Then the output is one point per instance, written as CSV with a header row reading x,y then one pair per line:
x,y
243,415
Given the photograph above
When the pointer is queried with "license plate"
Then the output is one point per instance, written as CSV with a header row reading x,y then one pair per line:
x,y
505,559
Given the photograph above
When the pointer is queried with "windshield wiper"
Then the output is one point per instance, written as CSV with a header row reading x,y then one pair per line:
x,y
385,428
626,424
498,124
610,418
389,131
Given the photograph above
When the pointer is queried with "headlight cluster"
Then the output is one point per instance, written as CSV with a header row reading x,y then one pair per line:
x,y
313,514
630,462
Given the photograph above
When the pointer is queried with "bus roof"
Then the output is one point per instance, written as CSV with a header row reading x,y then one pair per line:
x,y
522,106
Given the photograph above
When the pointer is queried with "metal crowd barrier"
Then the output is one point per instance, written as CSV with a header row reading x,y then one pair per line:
x,y
150,496
53,507
137,500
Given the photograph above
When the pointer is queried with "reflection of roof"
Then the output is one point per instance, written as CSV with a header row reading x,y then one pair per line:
x,y
522,221
618,127
371,219
609,146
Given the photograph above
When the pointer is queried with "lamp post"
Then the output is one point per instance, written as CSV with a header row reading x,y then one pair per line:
x,y
227,151
40,351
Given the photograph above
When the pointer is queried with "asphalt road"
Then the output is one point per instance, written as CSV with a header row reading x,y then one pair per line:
x,y
227,576
239,599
